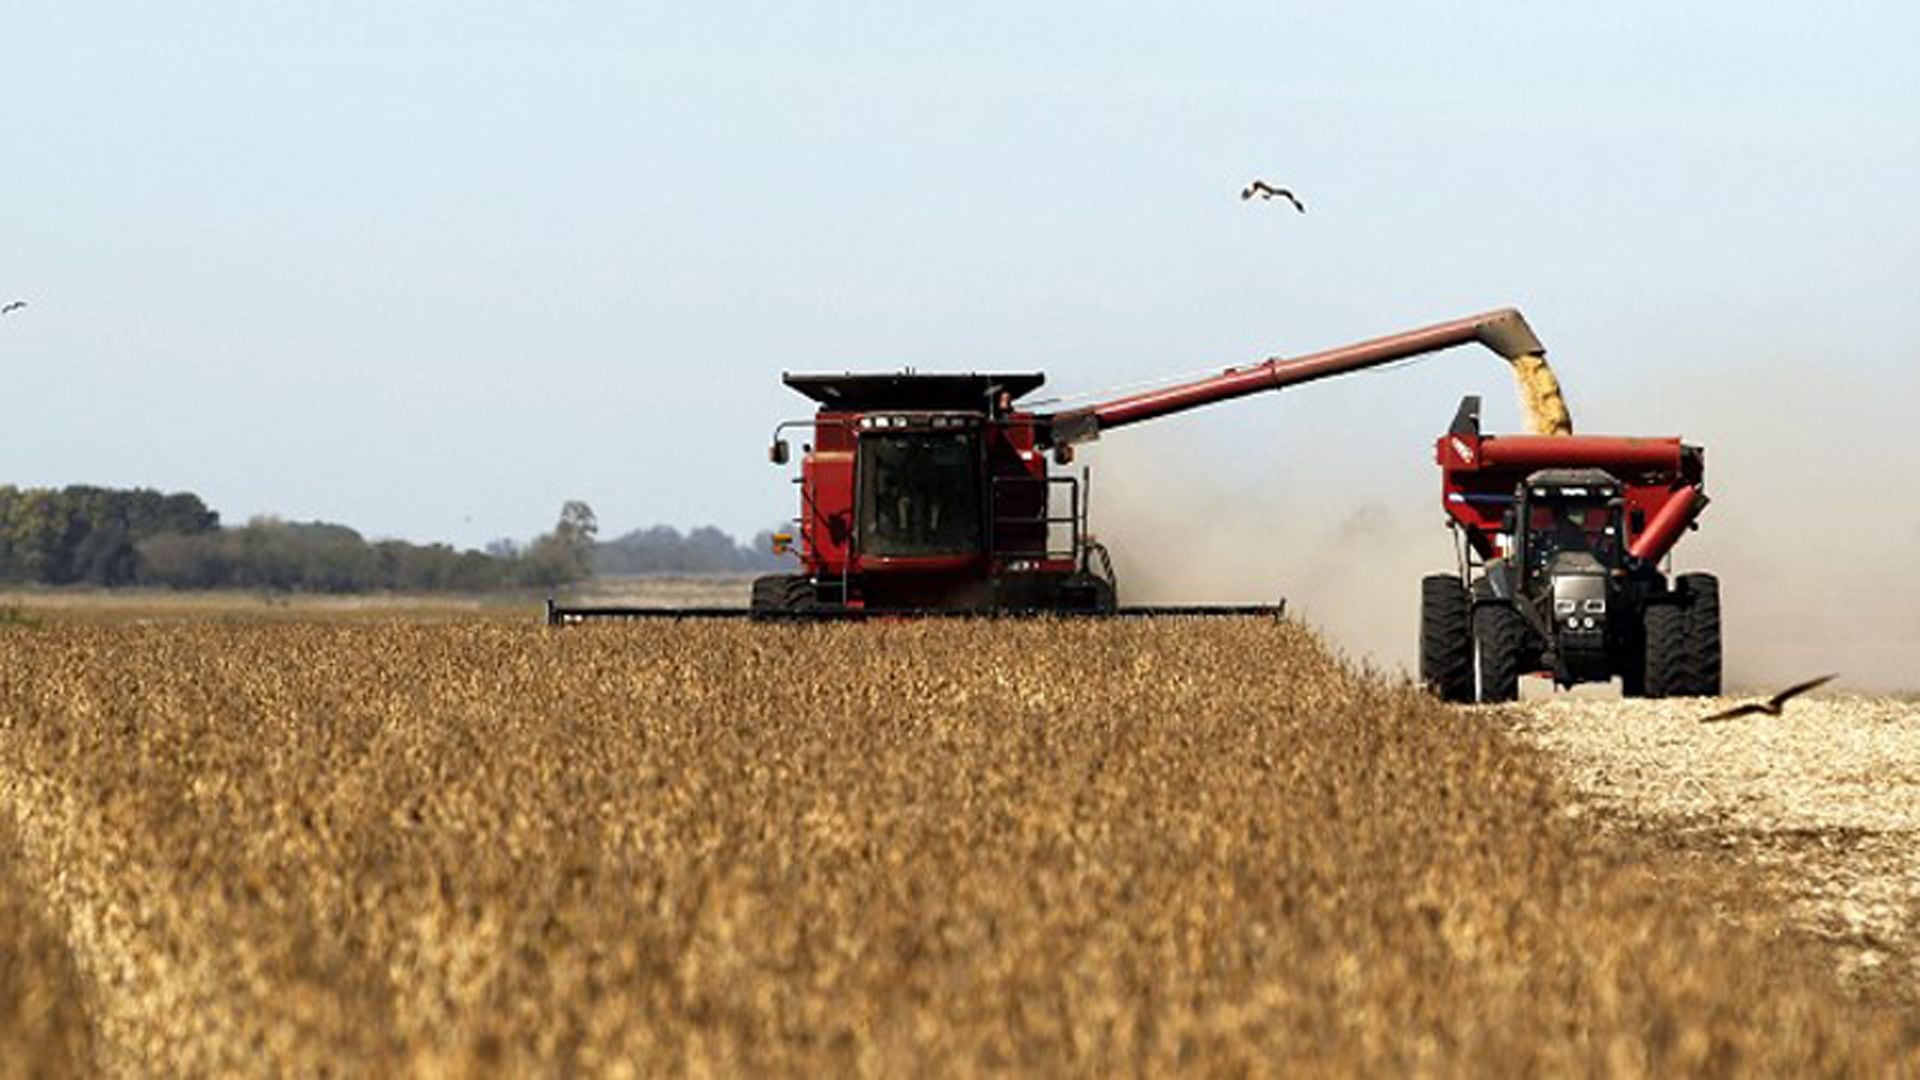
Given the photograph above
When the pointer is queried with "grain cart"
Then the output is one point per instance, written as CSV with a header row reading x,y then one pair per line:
x,y
928,494
1560,541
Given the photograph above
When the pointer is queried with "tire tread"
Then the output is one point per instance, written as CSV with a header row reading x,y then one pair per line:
x,y
1446,638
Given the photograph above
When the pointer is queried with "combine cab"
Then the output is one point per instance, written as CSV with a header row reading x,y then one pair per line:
x,y
1561,540
933,494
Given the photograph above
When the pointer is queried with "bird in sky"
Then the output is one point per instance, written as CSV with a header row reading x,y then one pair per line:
x,y
1770,707
1268,191
13,307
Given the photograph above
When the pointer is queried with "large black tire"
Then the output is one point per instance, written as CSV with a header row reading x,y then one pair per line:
x,y
1498,637
1104,597
1633,671
781,594
1701,593
1446,637
1668,663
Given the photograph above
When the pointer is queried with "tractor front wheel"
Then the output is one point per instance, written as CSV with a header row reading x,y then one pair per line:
x,y
1498,637
1446,638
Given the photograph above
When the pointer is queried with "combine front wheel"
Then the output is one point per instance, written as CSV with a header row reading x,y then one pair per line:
x,y
782,593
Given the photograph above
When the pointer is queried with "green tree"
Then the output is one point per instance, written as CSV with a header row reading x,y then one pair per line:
x,y
565,554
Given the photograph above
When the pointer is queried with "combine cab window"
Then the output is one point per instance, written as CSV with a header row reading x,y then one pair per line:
x,y
920,494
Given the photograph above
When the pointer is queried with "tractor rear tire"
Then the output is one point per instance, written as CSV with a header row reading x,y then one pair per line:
x,y
1498,637
1633,671
1668,664
1446,638
1704,657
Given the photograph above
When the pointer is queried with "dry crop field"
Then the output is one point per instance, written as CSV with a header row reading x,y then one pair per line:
x,y
468,845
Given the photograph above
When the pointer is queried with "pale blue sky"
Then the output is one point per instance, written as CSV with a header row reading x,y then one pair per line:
x,y
431,268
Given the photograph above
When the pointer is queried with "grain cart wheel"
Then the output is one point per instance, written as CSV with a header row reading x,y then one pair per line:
x,y
1446,638
1702,592
1498,635
1666,661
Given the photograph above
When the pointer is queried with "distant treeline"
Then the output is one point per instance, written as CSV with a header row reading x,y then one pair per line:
x,y
101,536
104,536
663,549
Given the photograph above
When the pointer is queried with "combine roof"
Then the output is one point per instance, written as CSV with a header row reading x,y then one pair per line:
x,y
902,390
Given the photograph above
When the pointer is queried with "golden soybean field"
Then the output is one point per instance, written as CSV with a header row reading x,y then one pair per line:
x,y
473,845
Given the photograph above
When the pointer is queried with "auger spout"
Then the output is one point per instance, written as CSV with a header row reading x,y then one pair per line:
x,y
1504,331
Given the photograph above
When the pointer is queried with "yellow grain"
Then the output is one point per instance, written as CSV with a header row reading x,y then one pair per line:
x,y
1540,396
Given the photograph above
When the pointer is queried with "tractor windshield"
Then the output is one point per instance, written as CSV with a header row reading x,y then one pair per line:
x,y
920,494
1556,525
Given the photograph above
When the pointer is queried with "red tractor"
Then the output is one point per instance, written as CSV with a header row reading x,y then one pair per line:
x,y
931,494
1560,543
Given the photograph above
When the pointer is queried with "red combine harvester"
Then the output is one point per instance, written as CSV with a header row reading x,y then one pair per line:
x,y
926,494
1561,539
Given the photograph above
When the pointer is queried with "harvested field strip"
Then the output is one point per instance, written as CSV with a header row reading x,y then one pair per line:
x,y
1062,847
1825,800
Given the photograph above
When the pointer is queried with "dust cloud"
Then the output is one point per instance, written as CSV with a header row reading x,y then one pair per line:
x,y
1353,573
1813,525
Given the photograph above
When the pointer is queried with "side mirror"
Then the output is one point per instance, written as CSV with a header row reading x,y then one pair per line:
x,y
1063,454
777,453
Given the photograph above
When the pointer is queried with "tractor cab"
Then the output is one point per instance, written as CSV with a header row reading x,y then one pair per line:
x,y
1568,521
1567,548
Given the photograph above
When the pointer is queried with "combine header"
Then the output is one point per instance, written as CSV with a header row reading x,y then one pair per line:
x,y
932,494
1561,539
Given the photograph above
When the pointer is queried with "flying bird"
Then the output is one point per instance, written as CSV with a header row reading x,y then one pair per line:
x,y
13,307
1267,191
1770,707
